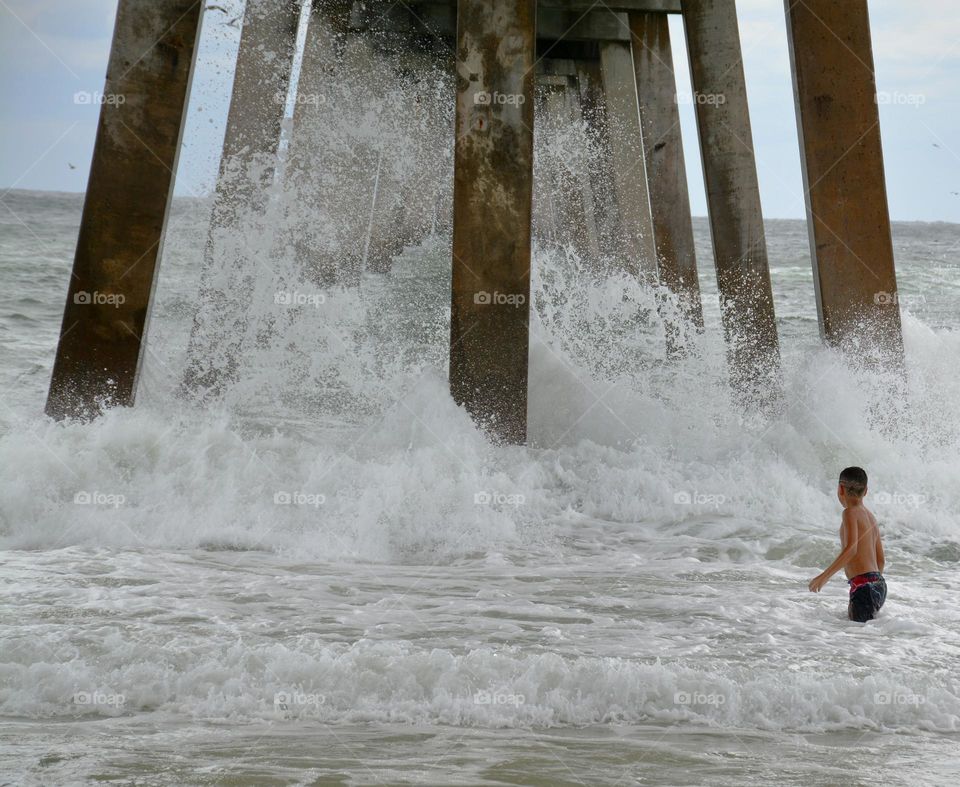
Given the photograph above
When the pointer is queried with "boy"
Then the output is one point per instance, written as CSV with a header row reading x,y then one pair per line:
x,y
861,553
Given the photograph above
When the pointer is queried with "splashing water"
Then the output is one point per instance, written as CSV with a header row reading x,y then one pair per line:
x,y
332,541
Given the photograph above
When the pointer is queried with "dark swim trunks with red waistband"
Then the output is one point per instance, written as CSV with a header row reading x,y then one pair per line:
x,y
867,594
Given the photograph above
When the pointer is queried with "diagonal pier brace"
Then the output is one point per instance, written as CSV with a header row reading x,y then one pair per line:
x,y
125,210
849,223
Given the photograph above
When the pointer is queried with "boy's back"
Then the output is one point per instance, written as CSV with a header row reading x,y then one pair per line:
x,y
861,525
861,550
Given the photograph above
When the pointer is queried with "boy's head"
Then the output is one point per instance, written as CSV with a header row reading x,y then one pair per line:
x,y
853,482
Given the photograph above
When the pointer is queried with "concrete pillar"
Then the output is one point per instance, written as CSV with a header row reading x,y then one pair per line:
x,y
407,189
248,162
598,193
493,179
125,209
333,169
627,159
847,215
569,186
733,194
264,61
666,173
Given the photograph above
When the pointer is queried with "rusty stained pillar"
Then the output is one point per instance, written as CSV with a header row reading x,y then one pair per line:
x,y
247,166
628,165
666,173
847,215
493,183
733,197
125,209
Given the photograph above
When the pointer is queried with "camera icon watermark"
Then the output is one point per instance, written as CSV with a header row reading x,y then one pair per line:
x,y
95,298
99,698
290,700
484,298
703,99
898,698
483,697
905,499
897,98
696,498
484,498
898,299
486,99
297,298
284,498
95,498
698,698
97,98
302,99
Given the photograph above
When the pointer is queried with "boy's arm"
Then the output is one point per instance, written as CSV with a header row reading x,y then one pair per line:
x,y
880,561
848,537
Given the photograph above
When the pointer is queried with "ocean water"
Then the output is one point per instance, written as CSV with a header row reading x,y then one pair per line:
x,y
329,576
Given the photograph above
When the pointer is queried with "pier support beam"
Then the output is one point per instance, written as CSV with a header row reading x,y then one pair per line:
x,y
593,106
733,194
666,173
569,191
264,61
848,219
125,210
493,183
332,169
247,166
628,160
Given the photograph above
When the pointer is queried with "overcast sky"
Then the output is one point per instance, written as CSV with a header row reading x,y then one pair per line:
x,y
52,49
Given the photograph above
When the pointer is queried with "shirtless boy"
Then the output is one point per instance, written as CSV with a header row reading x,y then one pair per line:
x,y
861,553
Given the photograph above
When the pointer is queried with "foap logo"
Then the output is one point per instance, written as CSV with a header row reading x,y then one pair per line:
x,y
95,298
282,498
483,697
900,99
97,98
289,700
703,99
898,299
498,498
898,698
485,99
297,298
695,498
484,298
904,499
884,298
698,698
302,99
95,498
99,698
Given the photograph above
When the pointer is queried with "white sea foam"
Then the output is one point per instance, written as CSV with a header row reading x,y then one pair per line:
x,y
354,543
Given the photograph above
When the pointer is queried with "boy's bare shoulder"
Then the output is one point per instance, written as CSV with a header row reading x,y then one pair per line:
x,y
860,515
850,516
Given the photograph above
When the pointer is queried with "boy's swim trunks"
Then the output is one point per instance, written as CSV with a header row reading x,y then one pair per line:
x,y
867,594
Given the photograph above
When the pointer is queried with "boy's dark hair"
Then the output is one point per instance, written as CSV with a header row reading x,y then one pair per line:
x,y
854,481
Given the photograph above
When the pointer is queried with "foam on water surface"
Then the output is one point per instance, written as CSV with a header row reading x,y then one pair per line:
x,y
352,543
